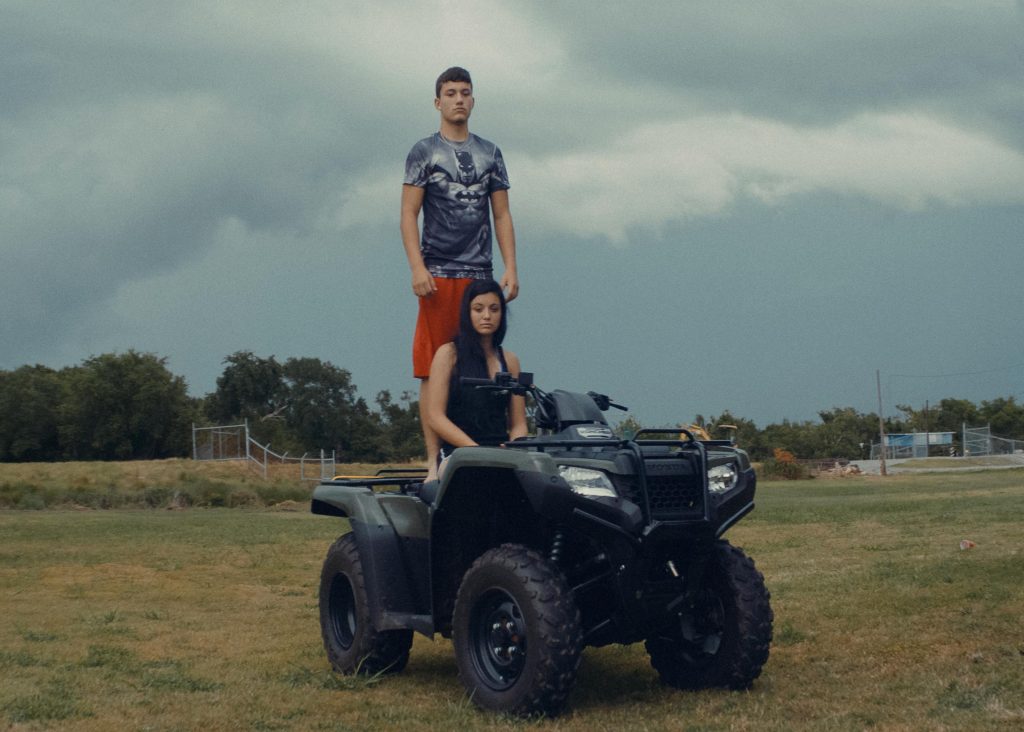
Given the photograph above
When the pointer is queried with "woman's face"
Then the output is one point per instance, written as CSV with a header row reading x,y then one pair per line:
x,y
485,313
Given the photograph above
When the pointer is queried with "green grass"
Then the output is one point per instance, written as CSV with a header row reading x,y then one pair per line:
x,y
172,483
207,619
945,463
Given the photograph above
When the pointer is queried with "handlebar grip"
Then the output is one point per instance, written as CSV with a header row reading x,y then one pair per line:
x,y
467,381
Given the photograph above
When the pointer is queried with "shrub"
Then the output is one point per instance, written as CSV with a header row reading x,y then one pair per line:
x,y
280,492
207,493
243,497
156,496
783,466
31,501
11,493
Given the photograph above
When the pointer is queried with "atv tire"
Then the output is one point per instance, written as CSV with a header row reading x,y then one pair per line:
x,y
353,645
516,631
723,639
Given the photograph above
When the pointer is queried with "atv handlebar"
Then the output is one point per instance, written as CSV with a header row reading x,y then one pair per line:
x,y
502,381
603,402
523,385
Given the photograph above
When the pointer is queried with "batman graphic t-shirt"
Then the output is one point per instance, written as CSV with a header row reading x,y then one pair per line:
x,y
458,179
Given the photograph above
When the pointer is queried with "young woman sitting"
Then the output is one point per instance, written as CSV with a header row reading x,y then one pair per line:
x,y
464,416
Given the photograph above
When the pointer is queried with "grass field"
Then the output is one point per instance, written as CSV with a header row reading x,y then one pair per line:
x,y
175,483
207,619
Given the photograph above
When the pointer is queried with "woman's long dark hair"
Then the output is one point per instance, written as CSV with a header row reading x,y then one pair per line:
x,y
470,359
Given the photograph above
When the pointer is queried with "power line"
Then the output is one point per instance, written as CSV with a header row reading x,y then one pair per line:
x,y
962,373
889,378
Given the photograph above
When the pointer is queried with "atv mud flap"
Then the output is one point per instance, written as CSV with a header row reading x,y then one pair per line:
x,y
391,531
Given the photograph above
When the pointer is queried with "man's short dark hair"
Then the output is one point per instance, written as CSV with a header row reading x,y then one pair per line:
x,y
455,73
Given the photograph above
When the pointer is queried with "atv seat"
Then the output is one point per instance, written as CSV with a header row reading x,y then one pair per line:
x,y
428,491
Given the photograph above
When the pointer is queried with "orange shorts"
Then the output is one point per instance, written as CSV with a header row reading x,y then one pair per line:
x,y
438,322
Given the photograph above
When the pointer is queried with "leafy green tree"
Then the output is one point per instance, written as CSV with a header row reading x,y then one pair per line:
x,y
952,414
627,427
948,416
845,432
1005,416
799,438
746,434
30,399
301,405
321,409
400,426
249,388
125,406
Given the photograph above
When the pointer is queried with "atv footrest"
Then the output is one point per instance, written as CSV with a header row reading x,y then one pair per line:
x,y
428,491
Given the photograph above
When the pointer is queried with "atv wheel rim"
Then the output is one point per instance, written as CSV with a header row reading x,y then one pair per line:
x,y
499,640
701,634
343,611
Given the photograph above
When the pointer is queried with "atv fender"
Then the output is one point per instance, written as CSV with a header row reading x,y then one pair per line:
x,y
391,532
499,459
535,475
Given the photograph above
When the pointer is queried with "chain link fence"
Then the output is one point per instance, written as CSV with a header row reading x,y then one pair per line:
x,y
981,441
233,442
974,442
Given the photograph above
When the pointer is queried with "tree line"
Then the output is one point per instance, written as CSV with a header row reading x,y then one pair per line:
x,y
130,406
843,432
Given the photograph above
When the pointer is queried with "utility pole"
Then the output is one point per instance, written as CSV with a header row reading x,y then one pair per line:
x,y
881,424
927,432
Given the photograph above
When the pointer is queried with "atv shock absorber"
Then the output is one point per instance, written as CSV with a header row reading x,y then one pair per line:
x,y
557,545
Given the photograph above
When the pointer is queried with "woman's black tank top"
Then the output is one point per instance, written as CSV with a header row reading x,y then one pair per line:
x,y
480,413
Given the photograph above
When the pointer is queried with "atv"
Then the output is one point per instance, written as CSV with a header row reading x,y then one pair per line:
x,y
525,554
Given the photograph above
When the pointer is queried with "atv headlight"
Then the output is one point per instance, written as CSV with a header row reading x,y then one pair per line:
x,y
586,482
721,478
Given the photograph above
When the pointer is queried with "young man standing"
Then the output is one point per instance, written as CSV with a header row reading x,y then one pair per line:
x,y
458,180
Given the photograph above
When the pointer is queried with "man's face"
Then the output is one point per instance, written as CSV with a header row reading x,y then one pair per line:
x,y
455,102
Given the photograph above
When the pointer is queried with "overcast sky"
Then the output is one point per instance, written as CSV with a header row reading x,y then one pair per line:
x,y
719,206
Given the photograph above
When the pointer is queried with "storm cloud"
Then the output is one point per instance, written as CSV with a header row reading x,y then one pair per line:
x,y
711,189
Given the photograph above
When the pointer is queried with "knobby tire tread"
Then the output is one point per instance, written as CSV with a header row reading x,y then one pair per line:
x,y
558,633
746,651
373,651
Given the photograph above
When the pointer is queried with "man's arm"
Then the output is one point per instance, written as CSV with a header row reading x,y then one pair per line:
x,y
412,202
506,235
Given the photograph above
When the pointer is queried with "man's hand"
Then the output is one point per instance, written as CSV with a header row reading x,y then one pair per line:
x,y
510,286
423,284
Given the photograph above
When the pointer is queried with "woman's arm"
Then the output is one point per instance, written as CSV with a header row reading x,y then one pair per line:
x,y
517,406
437,398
